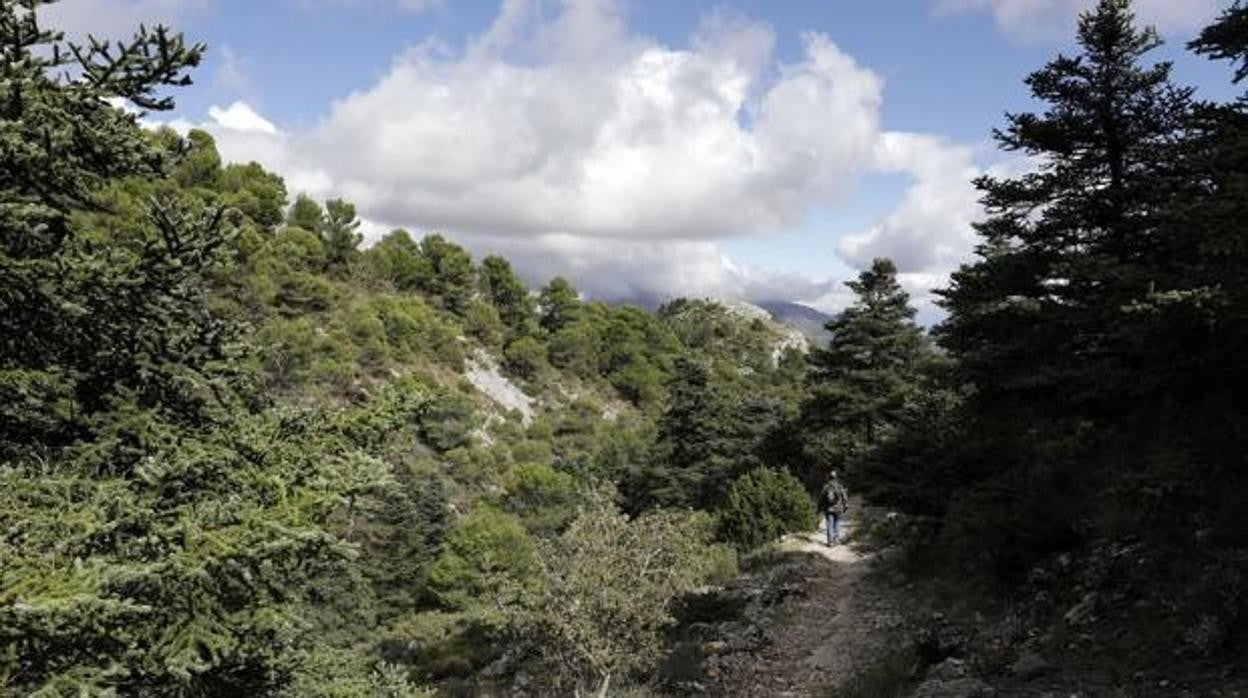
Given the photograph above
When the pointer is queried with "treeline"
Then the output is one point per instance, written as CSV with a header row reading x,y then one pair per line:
x,y
1089,390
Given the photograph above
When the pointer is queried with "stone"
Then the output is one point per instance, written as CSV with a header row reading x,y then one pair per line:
x,y
955,688
1083,611
948,670
1029,666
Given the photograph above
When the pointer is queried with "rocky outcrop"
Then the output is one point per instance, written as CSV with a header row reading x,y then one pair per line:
x,y
482,372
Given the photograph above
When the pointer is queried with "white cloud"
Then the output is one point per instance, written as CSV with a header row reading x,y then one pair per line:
x,y
1035,20
605,135
576,147
929,232
241,117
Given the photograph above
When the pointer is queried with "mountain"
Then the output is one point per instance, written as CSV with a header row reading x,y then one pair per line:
x,y
801,317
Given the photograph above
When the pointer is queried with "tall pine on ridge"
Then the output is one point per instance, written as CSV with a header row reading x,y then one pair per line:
x,y
863,378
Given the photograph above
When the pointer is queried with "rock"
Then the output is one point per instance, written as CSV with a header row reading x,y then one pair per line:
x,y
1029,666
1082,612
955,688
942,641
948,670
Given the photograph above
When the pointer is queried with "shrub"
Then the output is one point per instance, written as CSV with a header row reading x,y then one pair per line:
x,y
526,358
334,673
481,320
763,505
489,561
610,590
544,498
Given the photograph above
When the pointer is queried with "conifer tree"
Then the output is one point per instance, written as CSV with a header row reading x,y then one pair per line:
x,y
1053,327
340,234
559,303
508,294
1037,319
860,382
306,214
451,279
157,535
708,435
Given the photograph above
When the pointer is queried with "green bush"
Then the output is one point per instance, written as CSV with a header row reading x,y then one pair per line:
x,y
489,561
763,505
481,320
610,589
526,358
544,498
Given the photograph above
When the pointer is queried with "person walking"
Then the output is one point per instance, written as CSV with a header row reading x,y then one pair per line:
x,y
833,502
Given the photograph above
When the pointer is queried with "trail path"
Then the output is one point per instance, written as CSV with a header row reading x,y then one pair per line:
x,y
837,625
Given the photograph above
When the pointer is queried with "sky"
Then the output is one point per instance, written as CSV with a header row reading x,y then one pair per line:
x,y
646,149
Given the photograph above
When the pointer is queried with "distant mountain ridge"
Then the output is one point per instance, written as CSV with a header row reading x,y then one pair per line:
x,y
803,318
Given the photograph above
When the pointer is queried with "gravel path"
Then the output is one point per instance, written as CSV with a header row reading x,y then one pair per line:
x,y
837,625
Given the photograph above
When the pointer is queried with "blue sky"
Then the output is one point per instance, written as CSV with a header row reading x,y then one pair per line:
x,y
599,138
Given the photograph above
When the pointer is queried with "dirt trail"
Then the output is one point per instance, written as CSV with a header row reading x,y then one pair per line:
x,y
838,625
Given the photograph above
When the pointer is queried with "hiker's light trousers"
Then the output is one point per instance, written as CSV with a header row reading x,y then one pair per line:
x,y
834,527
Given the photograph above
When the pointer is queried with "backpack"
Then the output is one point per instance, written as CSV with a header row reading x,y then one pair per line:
x,y
834,498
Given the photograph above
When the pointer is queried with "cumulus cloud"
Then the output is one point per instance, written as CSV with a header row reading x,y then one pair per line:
x,y
929,233
605,135
577,147
1034,20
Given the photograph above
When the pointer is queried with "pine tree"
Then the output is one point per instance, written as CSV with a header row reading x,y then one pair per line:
x,y
306,214
508,294
861,381
559,303
340,235
451,278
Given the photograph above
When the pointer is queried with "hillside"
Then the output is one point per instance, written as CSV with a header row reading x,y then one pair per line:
x,y
470,445
807,320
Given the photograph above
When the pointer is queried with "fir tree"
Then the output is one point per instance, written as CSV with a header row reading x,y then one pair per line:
x,y
1037,320
157,535
861,381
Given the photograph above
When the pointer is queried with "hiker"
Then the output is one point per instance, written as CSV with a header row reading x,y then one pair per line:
x,y
832,502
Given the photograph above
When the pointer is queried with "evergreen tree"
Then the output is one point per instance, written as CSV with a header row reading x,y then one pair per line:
x,y
157,536
1053,327
1037,320
708,435
396,260
508,294
306,214
559,303
451,276
1227,39
861,381
340,234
